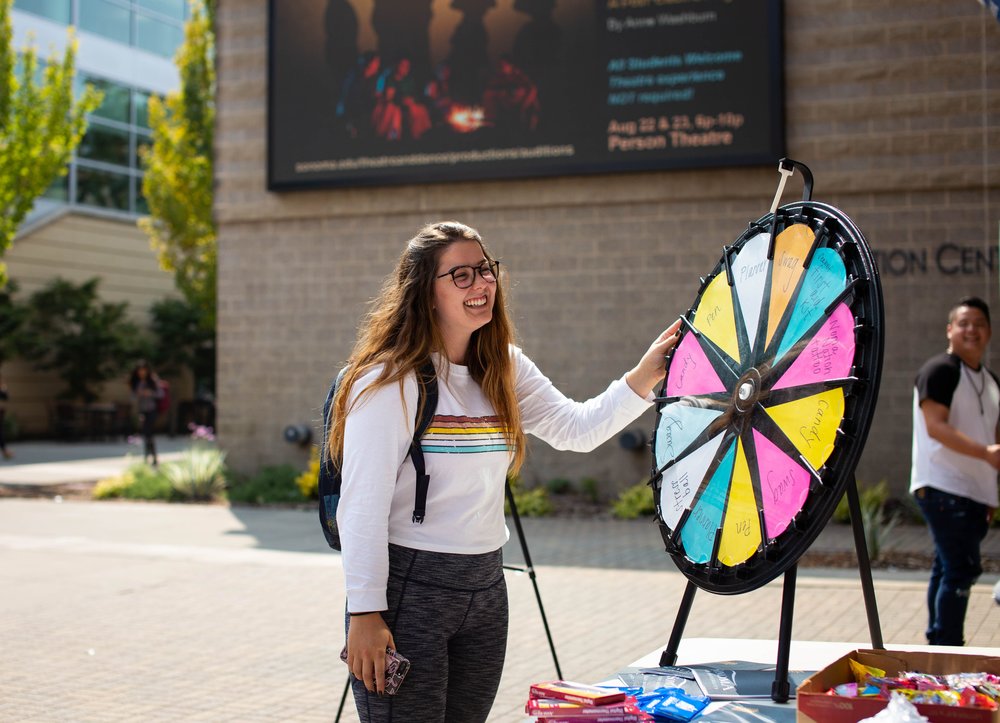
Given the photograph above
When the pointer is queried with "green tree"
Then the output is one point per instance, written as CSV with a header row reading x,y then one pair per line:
x,y
180,341
40,125
179,167
69,330
12,315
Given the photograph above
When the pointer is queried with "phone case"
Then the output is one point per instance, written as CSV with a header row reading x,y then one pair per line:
x,y
396,668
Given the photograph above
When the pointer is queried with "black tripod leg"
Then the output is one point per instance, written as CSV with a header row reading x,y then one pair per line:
x,y
343,699
864,564
780,688
531,573
669,656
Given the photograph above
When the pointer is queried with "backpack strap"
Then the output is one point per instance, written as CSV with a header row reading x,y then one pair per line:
x,y
427,391
328,483
327,463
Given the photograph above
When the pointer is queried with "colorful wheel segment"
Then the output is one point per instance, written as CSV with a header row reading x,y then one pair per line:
x,y
768,397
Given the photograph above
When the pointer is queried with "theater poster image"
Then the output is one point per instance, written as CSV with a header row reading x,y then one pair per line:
x,y
414,91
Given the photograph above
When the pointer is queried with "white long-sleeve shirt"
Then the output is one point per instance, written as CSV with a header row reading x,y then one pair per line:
x,y
466,457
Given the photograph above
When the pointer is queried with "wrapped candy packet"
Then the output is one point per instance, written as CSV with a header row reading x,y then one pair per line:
x,y
959,680
924,681
993,691
845,690
933,697
863,673
672,704
969,690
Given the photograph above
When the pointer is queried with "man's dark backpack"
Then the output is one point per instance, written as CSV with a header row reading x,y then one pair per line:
x,y
329,473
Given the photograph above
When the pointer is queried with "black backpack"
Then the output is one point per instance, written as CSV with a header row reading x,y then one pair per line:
x,y
329,473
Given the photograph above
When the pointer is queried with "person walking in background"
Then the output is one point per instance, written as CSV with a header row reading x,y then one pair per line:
x,y
956,407
146,391
7,454
434,587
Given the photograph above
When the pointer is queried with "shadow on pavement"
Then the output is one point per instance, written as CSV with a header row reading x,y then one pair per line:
x,y
288,530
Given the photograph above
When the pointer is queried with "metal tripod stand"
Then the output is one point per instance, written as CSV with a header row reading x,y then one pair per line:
x,y
780,689
528,568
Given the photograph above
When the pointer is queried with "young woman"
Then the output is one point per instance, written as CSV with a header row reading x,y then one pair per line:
x,y
435,591
146,391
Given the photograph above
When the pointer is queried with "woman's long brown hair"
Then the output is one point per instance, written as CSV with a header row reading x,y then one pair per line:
x,y
401,331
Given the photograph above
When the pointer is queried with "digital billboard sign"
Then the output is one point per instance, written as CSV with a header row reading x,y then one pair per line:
x,y
410,91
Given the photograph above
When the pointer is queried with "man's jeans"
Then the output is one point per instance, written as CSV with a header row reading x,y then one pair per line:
x,y
958,526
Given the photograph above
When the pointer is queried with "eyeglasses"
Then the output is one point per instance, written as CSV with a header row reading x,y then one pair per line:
x,y
465,276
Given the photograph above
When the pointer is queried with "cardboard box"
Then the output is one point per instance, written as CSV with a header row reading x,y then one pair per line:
x,y
813,705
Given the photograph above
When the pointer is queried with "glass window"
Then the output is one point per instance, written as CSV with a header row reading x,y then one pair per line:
x,y
59,190
157,36
141,101
102,188
115,104
118,134
141,206
106,18
170,8
57,10
142,141
101,143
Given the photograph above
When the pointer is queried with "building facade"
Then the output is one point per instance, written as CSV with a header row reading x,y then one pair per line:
x,y
896,111
85,225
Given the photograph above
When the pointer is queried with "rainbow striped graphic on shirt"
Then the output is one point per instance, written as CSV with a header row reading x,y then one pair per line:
x,y
463,435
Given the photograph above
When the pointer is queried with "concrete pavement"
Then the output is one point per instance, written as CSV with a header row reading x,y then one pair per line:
x,y
49,465
147,611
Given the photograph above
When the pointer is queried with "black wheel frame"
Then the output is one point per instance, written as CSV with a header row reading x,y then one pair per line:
x,y
863,294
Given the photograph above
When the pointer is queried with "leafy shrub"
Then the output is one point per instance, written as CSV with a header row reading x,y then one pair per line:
x,y
12,316
842,513
559,486
68,329
530,503
906,508
308,481
879,515
590,488
870,497
183,338
533,503
878,528
11,429
111,487
634,502
138,482
200,474
270,485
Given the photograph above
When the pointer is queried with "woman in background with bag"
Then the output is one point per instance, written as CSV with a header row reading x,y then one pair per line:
x,y
146,391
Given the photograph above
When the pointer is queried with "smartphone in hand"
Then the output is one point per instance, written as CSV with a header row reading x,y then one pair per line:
x,y
396,668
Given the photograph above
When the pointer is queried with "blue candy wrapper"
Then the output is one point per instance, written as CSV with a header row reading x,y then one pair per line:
x,y
671,704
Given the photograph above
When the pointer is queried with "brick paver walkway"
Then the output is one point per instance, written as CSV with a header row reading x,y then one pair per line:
x,y
132,611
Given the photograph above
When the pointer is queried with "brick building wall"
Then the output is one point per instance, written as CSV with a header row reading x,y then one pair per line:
x,y
895,109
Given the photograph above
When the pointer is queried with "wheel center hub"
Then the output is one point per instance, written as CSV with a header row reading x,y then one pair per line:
x,y
747,391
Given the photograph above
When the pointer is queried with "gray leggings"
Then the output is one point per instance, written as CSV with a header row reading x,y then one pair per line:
x,y
448,616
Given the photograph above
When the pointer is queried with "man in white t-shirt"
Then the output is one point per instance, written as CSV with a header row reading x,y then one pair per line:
x,y
956,407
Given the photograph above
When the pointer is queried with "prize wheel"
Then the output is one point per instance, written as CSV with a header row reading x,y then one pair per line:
x,y
768,397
